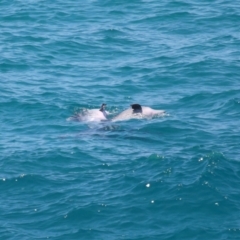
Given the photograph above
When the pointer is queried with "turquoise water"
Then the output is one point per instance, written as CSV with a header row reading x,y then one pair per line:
x,y
174,177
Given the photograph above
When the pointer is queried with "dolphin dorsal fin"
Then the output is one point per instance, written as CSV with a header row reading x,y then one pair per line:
x,y
137,108
102,108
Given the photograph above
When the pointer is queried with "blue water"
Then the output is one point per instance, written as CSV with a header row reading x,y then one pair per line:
x,y
174,177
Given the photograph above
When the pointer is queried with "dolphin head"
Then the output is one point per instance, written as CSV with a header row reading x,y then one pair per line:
x,y
137,108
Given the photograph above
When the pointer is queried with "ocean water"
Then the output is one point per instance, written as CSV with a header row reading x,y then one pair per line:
x,y
167,178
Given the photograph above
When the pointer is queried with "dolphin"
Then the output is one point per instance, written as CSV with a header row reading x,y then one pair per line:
x,y
136,111
91,115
